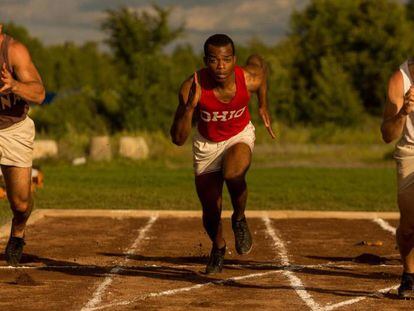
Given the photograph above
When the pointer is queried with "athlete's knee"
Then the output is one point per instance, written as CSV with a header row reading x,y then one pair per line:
x,y
234,175
21,205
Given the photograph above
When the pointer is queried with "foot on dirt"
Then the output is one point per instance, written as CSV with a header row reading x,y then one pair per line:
x,y
242,236
406,289
14,250
215,262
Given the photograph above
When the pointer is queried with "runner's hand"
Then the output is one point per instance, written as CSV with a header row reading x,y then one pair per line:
x,y
195,92
408,105
264,114
7,80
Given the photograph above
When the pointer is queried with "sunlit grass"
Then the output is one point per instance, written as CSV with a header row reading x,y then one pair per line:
x,y
152,185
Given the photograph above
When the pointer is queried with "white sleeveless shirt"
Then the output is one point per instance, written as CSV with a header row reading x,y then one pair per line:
x,y
408,132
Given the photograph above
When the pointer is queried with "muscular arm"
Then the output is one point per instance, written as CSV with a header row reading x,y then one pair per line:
x,y
256,82
394,116
256,78
28,84
187,101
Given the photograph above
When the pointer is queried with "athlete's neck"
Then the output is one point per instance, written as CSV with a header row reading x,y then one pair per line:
x,y
228,83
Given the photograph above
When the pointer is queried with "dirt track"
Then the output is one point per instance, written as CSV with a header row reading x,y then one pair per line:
x,y
92,263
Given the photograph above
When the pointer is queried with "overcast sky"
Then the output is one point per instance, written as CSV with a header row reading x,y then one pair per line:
x,y
57,21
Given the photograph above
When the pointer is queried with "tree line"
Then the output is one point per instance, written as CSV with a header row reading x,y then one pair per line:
x,y
331,67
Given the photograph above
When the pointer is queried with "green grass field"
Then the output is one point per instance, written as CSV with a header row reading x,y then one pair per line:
x,y
296,172
154,185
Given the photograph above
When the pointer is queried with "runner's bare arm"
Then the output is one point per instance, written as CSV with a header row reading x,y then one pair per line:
x,y
397,107
188,98
256,82
28,85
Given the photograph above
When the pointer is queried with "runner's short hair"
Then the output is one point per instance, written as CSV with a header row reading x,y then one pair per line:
x,y
218,40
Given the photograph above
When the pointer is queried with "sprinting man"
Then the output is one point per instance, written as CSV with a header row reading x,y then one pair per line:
x,y
217,98
398,122
20,84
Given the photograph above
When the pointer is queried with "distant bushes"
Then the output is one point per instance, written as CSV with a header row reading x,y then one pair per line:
x,y
331,68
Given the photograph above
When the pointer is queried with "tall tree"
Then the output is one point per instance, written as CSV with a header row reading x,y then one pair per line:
x,y
131,32
148,86
363,41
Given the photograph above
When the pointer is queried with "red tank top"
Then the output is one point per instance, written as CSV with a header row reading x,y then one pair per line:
x,y
218,121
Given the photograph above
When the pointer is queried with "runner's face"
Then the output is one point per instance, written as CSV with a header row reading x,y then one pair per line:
x,y
220,62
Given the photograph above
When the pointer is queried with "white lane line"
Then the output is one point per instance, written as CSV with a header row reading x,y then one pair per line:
x,y
358,299
287,271
283,269
385,225
147,266
97,295
305,296
80,267
295,282
186,289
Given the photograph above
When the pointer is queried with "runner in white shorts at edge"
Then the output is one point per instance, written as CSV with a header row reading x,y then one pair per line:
x,y
20,85
398,122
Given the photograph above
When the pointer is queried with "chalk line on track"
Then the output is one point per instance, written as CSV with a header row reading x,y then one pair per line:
x,y
286,268
385,225
97,295
300,290
124,268
185,289
357,299
295,282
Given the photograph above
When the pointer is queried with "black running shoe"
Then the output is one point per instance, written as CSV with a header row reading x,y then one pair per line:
x,y
242,236
215,262
14,250
406,289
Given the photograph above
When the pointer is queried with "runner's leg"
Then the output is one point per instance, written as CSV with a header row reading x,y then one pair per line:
x,y
209,189
405,231
18,181
235,166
